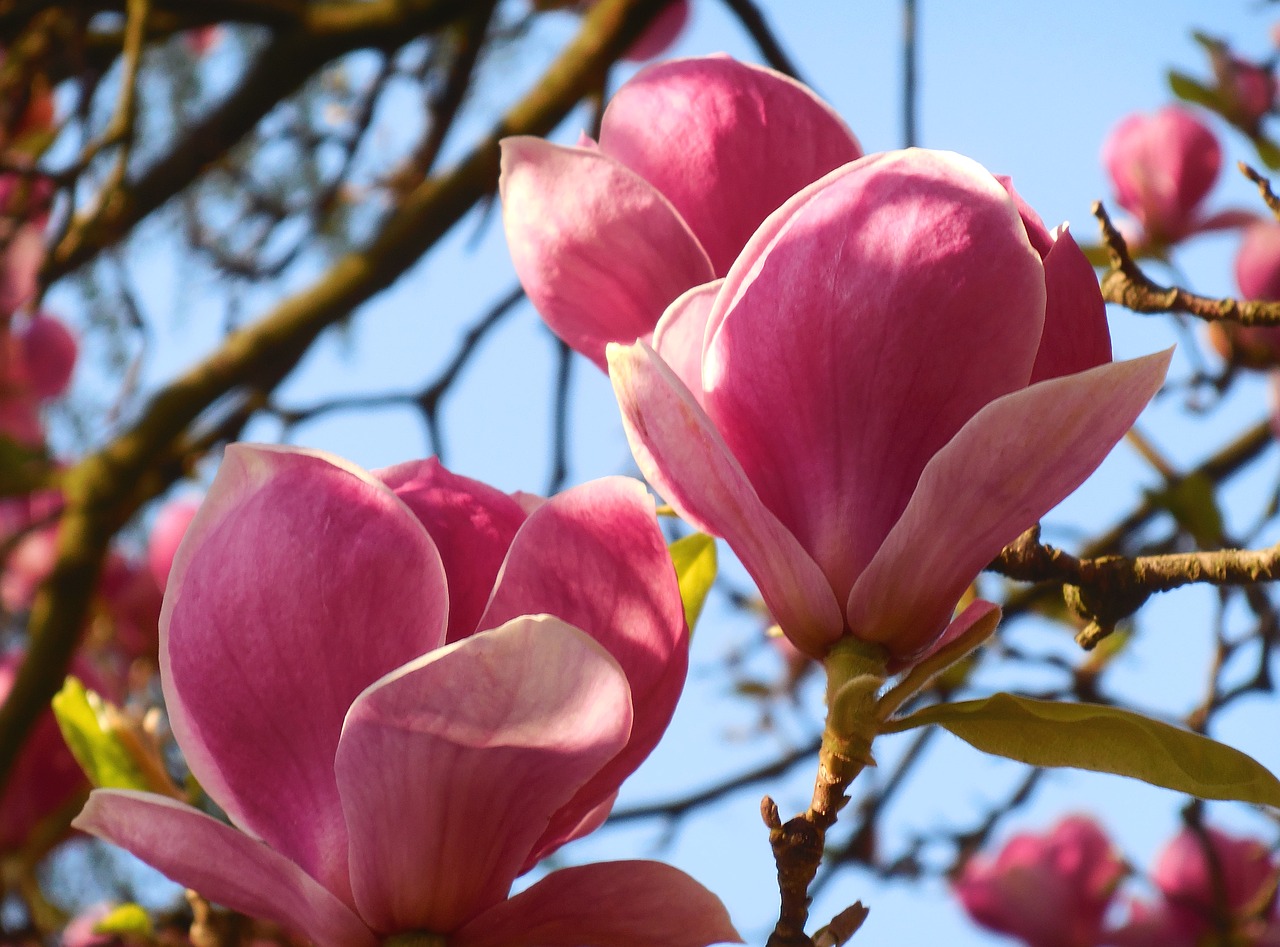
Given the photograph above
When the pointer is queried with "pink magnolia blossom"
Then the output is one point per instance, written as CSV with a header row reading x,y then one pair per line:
x,y
1249,90
24,214
661,34
166,533
1258,277
404,690
693,155
899,375
37,358
657,38
1162,166
1046,890
1232,891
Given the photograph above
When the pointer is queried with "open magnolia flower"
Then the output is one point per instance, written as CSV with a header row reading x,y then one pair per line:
x,y
902,372
693,155
404,689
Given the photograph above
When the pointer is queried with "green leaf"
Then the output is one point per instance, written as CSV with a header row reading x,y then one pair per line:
x,y
1268,152
1189,90
695,561
101,755
128,920
22,468
1103,739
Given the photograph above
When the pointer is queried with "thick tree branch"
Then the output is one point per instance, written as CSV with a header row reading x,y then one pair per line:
x,y
1108,589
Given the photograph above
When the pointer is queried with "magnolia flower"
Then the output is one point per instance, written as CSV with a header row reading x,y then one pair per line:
x,y
404,691
1046,890
693,155
1162,167
1231,889
166,533
899,375
37,357
1258,277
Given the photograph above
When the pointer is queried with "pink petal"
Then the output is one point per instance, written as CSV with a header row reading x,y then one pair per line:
x,y
726,142
301,580
1012,463
598,250
611,904
686,460
450,767
681,331
472,525
1075,318
221,863
594,557
899,297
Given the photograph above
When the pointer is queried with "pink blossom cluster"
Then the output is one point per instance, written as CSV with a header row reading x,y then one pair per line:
x,y
1061,889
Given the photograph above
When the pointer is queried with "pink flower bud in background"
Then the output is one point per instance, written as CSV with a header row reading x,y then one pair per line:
x,y
202,39
1209,882
1258,277
661,34
1046,890
49,352
166,533
1235,876
1162,166
1249,91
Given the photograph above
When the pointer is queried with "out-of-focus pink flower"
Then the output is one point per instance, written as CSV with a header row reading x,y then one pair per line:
x,y
1162,166
1249,91
1230,887
202,39
37,358
46,778
1046,890
130,600
1258,277
661,34
24,213
405,690
166,533
49,352
693,155
899,375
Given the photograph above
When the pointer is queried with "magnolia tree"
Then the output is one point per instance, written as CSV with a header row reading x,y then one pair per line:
x,y
860,385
